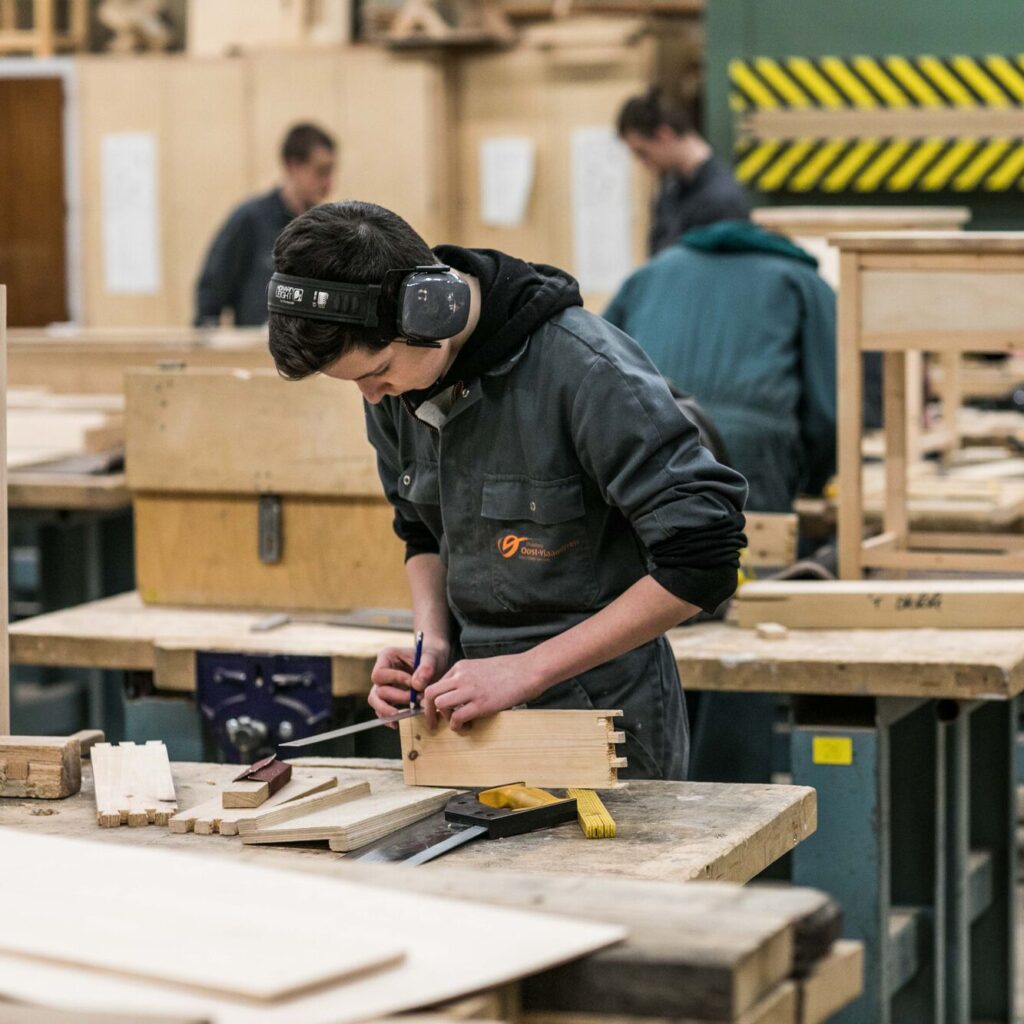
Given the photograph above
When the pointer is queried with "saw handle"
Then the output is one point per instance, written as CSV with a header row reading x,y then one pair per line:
x,y
516,796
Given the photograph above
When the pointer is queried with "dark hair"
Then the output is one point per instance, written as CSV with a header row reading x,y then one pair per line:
x,y
351,242
645,114
301,140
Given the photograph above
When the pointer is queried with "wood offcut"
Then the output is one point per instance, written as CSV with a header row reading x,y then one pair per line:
x,y
133,784
40,767
257,783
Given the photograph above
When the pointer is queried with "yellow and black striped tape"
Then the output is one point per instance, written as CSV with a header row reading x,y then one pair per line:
x,y
869,124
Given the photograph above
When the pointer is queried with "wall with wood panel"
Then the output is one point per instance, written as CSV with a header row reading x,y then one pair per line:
x,y
218,124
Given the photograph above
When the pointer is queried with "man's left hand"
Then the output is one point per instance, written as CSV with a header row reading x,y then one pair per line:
x,y
476,687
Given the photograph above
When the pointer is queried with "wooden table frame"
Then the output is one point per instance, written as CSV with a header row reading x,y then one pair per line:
x,y
903,293
43,39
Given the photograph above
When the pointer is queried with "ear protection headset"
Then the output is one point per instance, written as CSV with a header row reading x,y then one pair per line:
x,y
432,302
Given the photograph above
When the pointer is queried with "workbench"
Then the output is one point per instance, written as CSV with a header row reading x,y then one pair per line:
x,y
908,736
906,728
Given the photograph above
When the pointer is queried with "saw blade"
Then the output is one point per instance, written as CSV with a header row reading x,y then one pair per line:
x,y
349,729
419,842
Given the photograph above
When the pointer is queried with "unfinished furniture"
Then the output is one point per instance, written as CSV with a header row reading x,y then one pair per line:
x,y
269,486
902,293
909,738
41,37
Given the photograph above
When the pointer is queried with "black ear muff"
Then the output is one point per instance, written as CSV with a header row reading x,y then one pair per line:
x,y
433,304
324,300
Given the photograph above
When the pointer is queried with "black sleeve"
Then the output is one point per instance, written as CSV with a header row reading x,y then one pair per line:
x,y
220,279
701,566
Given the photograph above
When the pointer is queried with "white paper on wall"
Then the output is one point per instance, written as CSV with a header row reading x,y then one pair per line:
x,y
131,227
602,208
506,180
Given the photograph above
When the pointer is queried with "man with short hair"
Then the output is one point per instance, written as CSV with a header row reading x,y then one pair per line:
x,y
695,188
239,261
557,508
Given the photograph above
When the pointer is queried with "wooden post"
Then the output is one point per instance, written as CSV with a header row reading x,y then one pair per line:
x,y
913,404
5,677
78,25
42,19
849,382
900,374
950,398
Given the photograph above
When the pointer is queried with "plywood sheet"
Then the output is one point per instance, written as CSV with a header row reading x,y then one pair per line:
x,y
883,604
492,946
540,748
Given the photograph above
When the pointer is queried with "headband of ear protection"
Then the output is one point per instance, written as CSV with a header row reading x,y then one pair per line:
x,y
432,302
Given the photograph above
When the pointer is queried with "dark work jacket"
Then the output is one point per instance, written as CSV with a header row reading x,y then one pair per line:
x,y
239,262
545,483
711,195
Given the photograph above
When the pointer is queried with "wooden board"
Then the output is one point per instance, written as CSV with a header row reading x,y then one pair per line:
x,y
211,817
882,604
44,767
336,553
282,437
491,945
133,784
266,817
834,981
956,663
540,748
771,538
353,824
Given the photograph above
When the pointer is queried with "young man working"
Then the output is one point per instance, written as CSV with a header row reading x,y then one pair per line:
x,y
694,187
238,263
558,511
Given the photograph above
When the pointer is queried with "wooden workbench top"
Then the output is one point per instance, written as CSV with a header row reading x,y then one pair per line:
x,y
123,633
667,831
975,242
930,663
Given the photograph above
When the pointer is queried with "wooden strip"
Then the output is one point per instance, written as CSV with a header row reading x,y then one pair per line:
x,y
835,981
253,787
351,825
849,427
133,784
883,604
39,767
935,561
210,817
540,748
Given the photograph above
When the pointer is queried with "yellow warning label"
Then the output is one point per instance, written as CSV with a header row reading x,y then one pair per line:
x,y
832,750
889,123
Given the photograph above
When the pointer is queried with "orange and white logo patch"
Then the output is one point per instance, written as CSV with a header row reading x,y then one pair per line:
x,y
512,545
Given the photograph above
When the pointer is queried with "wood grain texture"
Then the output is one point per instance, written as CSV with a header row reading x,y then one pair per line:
x,y
211,817
282,811
835,981
337,553
882,604
133,784
493,945
347,826
959,664
540,748
40,767
257,783
667,831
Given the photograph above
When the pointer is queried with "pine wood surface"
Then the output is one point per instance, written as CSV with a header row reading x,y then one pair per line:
x,y
669,831
956,663
212,818
353,823
492,945
835,981
538,748
40,767
269,817
881,604
133,784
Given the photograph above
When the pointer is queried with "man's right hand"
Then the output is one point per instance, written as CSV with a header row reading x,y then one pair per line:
x,y
392,677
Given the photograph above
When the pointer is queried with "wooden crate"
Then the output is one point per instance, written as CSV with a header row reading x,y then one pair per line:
x,y
903,293
204,446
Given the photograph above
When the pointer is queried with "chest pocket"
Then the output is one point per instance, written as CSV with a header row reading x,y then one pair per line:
x,y
540,556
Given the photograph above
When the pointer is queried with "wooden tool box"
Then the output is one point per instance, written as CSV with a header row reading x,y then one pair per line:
x,y
253,491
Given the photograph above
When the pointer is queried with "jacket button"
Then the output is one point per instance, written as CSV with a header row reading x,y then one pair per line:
x,y
464,393
406,479
533,506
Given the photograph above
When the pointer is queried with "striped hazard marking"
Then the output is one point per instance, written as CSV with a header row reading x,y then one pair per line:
x,y
869,124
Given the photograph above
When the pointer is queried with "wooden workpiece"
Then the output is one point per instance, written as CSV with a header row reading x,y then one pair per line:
x,y
536,747
40,767
881,604
133,784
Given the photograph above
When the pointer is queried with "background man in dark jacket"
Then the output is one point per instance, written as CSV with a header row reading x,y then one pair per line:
x,y
239,262
695,188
